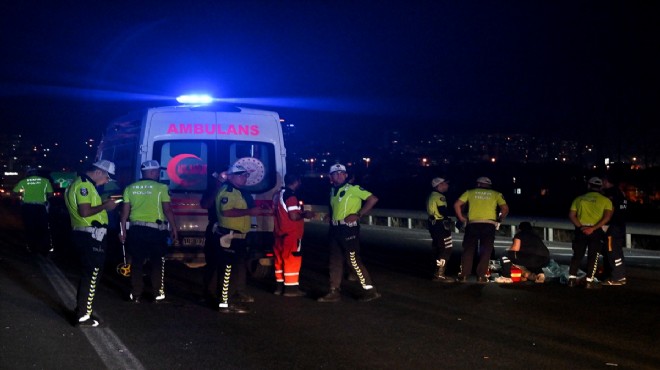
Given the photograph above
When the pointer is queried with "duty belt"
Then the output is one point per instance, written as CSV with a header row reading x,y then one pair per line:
x,y
342,222
492,222
219,230
98,233
87,229
153,225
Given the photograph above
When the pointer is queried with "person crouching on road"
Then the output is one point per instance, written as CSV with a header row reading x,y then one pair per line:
x,y
528,252
440,227
147,206
346,208
234,209
89,221
288,232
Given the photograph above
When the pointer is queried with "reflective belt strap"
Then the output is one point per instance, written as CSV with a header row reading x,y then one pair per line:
x,y
342,222
152,225
87,229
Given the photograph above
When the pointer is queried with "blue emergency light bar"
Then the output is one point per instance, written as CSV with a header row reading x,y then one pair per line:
x,y
195,99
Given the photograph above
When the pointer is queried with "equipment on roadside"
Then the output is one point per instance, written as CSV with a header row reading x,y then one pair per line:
x,y
124,269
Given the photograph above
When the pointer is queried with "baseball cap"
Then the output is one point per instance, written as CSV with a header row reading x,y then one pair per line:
x,y
235,169
337,167
595,181
484,180
437,181
150,165
106,166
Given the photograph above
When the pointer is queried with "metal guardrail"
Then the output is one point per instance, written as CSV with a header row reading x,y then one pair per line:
x,y
554,229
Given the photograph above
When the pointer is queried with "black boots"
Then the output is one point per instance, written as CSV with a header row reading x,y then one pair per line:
x,y
332,296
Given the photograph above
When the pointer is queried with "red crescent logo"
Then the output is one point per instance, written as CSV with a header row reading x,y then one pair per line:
x,y
174,174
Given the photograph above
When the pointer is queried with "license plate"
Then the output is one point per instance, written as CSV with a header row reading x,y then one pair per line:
x,y
193,242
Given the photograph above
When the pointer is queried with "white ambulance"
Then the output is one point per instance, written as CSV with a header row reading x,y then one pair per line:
x,y
191,142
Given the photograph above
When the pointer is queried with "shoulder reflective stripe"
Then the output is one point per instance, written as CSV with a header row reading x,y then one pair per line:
x,y
282,204
293,208
159,208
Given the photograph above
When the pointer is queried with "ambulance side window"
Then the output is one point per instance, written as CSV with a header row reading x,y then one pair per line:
x,y
259,160
184,164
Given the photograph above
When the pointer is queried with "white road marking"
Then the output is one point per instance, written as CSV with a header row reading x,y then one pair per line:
x,y
108,346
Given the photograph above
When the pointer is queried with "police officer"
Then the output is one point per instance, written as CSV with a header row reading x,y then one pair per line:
x,y
589,213
348,203
147,206
35,191
211,249
89,221
481,223
616,232
288,232
234,209
440,227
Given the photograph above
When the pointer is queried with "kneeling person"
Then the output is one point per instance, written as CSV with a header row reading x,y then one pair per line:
x,y
527,252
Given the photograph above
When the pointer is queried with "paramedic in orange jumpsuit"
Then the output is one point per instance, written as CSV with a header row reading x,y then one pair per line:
x,y
288,232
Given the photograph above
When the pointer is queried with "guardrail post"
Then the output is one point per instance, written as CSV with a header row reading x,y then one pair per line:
x,y
371,220
628,241
389,221
410,223
551,234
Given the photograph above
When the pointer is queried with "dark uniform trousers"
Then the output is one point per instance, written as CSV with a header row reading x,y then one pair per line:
x,y
482,236
592,244
147,243
92,258
345,247
442,242
230,262
35,222
616,242
211,251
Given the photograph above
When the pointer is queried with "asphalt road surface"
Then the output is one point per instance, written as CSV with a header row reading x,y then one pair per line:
x,y
417,324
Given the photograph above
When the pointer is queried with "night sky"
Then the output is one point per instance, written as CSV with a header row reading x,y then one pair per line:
x,y
576,68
